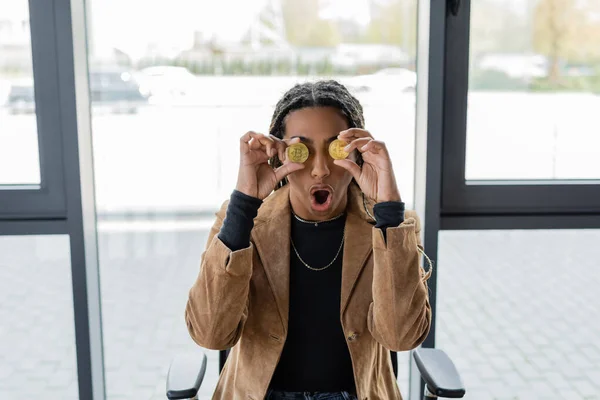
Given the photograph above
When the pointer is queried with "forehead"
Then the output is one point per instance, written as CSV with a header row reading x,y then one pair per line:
x,y
317,123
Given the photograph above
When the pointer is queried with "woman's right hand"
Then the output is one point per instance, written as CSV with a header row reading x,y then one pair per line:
x,y
256,177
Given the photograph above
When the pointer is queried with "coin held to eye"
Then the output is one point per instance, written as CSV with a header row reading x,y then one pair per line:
x,y
297,152
336,149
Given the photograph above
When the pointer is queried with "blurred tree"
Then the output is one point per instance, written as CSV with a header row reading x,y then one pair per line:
x,y
322,34
557,28
587,50
305,28
393,22
496,27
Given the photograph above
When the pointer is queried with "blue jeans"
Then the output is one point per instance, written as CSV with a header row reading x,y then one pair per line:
x,y
277,395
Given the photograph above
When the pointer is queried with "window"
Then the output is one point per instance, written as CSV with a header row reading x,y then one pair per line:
x,y
19,155
514,311
534,86
37,339
520,133
166,141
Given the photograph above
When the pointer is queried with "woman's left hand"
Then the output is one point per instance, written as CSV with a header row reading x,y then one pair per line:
x,y
376,177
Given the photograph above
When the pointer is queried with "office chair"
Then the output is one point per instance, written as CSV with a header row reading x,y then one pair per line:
x,y
441,377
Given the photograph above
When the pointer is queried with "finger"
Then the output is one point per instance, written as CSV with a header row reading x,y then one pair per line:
x,y
261,137
244,141
277,145
354,133
357,144
351,167
280,145
287,169
247,136
256,144
255,158
285,143
292,140
374,146
262,157
266,141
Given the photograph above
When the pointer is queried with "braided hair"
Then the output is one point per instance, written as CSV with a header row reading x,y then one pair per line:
x,y
326,93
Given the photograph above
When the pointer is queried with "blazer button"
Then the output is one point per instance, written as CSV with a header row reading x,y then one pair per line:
x,y
352,336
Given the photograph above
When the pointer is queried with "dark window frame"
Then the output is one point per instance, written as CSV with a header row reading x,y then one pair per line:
x,y
46,201
477,204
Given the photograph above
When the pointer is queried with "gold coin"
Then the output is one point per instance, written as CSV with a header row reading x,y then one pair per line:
x,y
297,152
336,149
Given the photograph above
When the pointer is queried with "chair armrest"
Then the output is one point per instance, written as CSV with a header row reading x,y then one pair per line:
x,y
185,376
439,373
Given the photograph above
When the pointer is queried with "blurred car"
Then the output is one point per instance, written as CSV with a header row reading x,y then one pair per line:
x,y
350,56
516,66
112,89
166,81
116,89
21,98
384,80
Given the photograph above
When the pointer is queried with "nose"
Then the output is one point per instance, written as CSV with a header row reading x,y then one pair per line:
x,y
320,169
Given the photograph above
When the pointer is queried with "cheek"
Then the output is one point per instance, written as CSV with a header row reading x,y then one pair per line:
x,y
341,173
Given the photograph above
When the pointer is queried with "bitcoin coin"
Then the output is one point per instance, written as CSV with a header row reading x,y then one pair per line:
x,y
297,152
336,149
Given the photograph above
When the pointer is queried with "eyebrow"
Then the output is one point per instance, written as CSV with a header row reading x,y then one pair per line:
x,y
310,141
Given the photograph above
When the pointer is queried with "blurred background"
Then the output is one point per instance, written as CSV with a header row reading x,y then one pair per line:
x,y
175,84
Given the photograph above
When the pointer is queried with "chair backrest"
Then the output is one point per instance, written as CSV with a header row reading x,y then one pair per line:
x,y
222,358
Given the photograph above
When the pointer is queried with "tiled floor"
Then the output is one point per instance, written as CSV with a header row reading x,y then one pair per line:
x,y
517,312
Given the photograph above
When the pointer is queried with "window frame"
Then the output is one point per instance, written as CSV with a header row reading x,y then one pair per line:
x,y
480,204
46,201
64,202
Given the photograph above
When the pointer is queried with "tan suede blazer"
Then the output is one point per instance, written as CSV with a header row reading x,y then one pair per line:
x,y
240,299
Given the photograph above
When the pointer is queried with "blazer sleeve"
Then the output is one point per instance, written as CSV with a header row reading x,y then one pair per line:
x,y
217,306
400,315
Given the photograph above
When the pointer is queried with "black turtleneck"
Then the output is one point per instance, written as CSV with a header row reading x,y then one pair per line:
x,y
315,356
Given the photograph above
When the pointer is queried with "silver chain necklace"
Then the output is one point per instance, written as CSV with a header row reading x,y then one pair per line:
x,y
328,265
317,222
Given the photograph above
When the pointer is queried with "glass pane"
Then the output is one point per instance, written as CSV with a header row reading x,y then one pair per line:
x,y
534,90
169,106
37,334
19,155
148,266
517,312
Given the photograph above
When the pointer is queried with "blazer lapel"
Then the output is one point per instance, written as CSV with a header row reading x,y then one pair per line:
x,y
271,235
357,248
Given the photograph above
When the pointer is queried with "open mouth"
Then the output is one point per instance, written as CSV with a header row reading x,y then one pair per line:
x,y
321,197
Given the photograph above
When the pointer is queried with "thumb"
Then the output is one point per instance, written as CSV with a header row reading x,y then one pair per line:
x,y
351,167
287,169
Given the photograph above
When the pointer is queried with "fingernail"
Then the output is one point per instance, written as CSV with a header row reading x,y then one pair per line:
x,y
364,147
347,148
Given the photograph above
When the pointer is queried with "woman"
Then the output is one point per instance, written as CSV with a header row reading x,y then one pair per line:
x,y
312,284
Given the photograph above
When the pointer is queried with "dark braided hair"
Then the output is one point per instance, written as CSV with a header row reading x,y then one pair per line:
x,y
327,93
